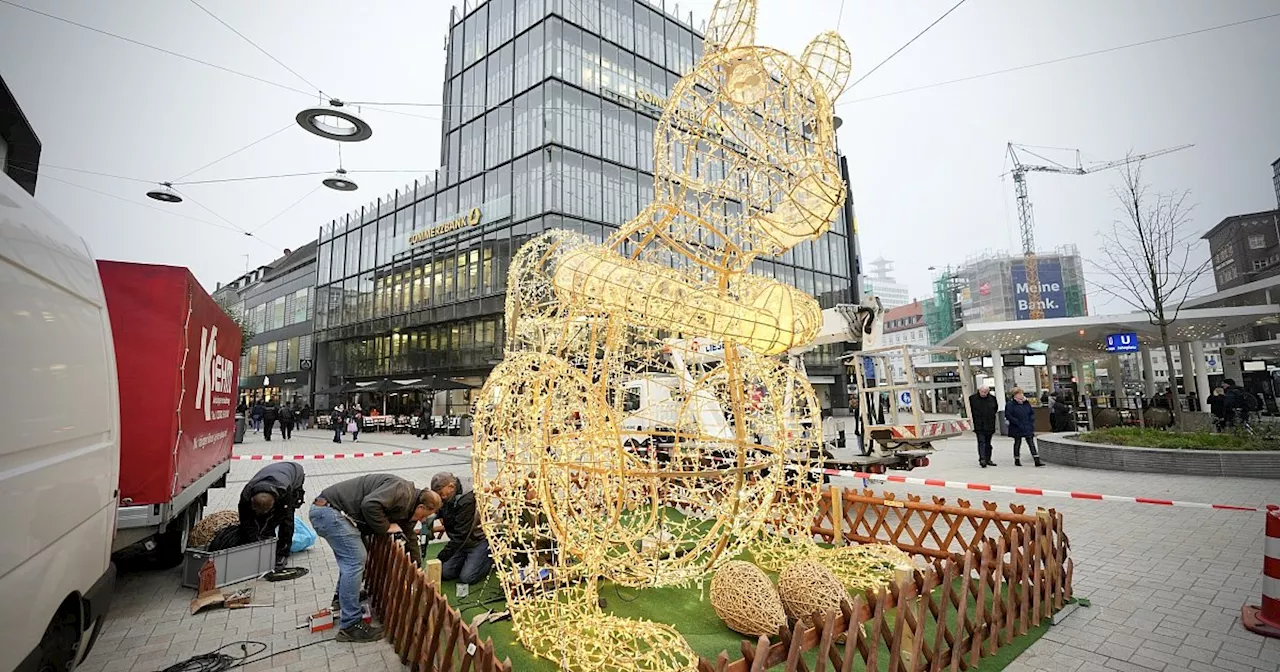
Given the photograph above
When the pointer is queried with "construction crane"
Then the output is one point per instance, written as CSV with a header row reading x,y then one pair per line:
x,y
1026,220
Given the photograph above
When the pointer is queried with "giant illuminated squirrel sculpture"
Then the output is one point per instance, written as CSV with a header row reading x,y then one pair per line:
x,y
664,321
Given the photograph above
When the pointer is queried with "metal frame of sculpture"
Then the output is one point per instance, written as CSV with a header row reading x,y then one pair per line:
x,y
570,494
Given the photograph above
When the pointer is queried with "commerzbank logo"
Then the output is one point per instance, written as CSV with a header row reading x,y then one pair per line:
x,y
216,372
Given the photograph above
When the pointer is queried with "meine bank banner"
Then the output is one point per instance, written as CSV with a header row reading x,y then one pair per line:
x,y
1053,295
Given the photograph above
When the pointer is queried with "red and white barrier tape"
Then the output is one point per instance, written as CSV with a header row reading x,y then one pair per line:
x,y
884,478
1039,492
339,456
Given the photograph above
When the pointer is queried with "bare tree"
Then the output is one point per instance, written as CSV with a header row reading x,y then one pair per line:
x,y
1148,256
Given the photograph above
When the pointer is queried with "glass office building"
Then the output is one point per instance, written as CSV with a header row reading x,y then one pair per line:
x,y
549,115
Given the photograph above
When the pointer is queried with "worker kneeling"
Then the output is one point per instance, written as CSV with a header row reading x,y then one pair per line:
x,y
370,504
466,558
268,503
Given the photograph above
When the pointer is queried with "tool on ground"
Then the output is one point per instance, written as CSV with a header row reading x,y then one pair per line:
x,y
326,619
209,595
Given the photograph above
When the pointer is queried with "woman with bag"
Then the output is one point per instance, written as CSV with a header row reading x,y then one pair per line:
x,y
354,425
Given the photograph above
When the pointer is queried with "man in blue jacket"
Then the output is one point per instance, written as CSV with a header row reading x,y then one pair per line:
x,y
1022,425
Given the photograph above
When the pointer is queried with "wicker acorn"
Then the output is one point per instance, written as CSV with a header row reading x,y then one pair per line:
x,y
807,587
208,526
746,600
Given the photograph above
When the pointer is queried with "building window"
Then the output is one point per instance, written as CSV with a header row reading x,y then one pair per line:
x,y
1259,264
1257,241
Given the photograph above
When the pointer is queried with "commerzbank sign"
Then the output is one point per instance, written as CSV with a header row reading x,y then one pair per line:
x,y
470,219
485,213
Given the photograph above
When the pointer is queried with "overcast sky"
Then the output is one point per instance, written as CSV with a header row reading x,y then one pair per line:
x,y
925,165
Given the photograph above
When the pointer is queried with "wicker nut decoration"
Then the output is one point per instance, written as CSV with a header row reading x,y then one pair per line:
x,y
745,599
208,526
808,587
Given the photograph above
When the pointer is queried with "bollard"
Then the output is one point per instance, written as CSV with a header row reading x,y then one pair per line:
x,y
1265,619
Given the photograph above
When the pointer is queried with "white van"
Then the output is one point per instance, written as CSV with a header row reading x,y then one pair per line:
x,y
60,447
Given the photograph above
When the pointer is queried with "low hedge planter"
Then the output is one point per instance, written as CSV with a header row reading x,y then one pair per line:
x,y
1064,449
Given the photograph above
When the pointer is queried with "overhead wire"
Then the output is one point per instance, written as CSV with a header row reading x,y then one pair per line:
x,y
249,178
224,158
256,46
908,43
280,214
93,172
121,198
237,226
1054,61
155,48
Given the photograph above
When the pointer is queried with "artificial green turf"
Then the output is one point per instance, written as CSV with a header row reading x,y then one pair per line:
x,y
688,610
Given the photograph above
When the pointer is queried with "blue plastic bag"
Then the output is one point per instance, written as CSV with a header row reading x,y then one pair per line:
x,y
303,536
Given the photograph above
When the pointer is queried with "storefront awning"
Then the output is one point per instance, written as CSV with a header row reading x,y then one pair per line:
x,y
1085,337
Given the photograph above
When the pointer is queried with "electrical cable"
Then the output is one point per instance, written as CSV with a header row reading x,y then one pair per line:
x,y
255,46
216,661
1055,61
155,48
900,49
224,158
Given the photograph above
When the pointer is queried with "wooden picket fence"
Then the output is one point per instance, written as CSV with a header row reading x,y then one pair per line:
x,y
993,575
428,634
932,529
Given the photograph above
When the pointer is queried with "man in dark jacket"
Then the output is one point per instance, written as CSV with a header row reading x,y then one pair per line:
x,y
984,407
1022,425
287,416
338,420
466,557
270,413
369,504
1237,403
267,504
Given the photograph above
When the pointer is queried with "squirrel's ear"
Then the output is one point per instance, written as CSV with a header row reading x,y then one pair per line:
x,y
732,24
827,58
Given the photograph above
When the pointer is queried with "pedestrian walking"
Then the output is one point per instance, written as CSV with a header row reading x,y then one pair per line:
x,y
424,422
255,415
286,422
268,503
1021,416
304,417
270,414
367,505
338,420
984,407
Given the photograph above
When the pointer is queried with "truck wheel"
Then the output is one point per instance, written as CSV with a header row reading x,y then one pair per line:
x,y
168,551
171,543
58,646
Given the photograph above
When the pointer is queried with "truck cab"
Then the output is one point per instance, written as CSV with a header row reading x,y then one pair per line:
x,y
59,461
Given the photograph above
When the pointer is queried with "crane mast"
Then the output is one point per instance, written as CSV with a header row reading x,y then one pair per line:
x,y
1026,218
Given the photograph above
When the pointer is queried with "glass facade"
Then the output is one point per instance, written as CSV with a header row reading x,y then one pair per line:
x,y
550,108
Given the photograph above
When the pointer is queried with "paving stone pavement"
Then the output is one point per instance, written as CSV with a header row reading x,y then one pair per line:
x,y
1166,584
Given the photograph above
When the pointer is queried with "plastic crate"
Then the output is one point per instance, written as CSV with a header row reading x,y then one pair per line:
x,y
233,565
